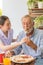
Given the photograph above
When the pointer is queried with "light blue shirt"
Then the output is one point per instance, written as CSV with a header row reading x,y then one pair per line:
x,y
37,38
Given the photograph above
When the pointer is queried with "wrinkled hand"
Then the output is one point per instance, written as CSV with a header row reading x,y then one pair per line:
x,y
29,43
25,40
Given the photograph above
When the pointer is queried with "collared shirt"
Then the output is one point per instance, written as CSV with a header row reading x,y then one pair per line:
x,y
4,39
37,39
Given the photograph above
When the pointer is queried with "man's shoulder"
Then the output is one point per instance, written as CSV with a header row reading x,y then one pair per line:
x,y
20,35
38,31
22,32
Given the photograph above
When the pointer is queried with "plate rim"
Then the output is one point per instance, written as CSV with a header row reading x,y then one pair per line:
x,y
11,58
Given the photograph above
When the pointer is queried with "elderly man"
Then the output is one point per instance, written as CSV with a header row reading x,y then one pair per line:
x,y
34,38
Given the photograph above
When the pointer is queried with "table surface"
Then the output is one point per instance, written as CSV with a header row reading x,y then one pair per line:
x,y
38,61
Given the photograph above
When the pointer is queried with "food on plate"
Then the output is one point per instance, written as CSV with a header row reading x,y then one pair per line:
x,y
22,58
25,56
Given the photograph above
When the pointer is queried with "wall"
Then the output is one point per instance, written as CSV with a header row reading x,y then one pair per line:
x,y
0,4
15,9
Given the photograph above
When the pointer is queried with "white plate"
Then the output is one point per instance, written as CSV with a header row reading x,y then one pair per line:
x,y
22,58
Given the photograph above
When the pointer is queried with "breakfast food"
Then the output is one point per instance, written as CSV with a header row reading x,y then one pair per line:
x,y
22,58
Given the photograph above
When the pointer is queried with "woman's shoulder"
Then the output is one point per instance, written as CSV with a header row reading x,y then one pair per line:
x,y
11,31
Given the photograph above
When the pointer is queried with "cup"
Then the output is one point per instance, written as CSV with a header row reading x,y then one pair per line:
x,y
6,61
2,55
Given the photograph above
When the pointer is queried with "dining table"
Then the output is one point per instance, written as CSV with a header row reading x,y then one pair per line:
x,y
31,63
37,61
12,63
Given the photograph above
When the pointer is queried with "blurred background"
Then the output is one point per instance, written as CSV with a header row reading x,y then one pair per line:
x,y
15,9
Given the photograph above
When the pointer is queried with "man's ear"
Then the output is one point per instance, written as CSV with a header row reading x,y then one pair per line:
x,y
33,23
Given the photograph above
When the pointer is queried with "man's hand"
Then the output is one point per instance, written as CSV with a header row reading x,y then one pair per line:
x,y
29,43
24,40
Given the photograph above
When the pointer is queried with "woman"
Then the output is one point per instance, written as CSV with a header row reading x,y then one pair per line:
x,y
6,35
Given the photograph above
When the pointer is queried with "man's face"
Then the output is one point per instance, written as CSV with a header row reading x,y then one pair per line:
x,y
27,24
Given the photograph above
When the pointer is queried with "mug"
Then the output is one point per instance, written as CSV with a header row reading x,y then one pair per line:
x,y
2,55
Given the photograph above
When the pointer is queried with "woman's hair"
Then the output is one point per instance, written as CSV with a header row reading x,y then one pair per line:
x,y
3,19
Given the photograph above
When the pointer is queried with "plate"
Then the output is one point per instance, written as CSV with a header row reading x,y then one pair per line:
x,y
22,58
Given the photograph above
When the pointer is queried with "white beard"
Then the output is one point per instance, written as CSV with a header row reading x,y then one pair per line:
x,y
27,32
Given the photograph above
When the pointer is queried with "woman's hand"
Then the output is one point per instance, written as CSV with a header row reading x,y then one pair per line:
x,y
9,53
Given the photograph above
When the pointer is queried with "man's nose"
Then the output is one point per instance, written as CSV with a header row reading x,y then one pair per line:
x,y
26,25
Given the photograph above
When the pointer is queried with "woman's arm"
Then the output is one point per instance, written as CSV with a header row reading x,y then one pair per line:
x,y
9,47
12,46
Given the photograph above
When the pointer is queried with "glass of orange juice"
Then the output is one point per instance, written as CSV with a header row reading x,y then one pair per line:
x,y
6,61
